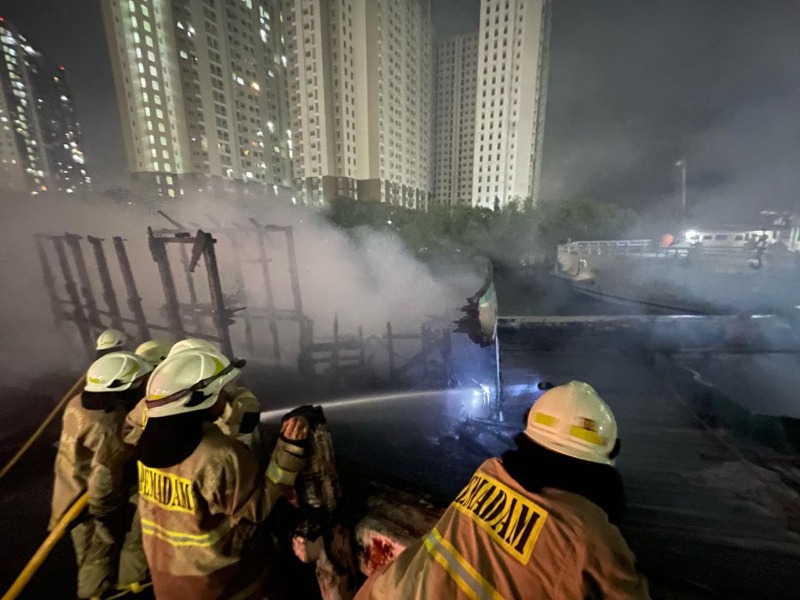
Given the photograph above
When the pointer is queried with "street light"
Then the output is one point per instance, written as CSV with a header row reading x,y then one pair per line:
x,y
682,164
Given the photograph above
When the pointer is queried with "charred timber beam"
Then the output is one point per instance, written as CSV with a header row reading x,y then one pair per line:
x,y
84,328
158,250
268,292
109,295
134,300
74,243
49,280
221,316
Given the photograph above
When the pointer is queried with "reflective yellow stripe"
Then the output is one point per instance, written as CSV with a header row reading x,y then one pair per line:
x,y
546,420
178,538
280,476
585,434
472,583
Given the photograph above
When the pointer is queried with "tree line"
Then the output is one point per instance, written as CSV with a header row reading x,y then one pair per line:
x,y
519,234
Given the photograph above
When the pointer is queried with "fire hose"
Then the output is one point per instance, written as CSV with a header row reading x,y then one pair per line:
x,y
49,419
44,550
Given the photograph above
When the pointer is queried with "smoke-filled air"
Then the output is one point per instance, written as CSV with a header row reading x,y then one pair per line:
x,y
399,299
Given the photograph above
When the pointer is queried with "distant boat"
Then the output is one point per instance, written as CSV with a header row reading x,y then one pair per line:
x,y
713,271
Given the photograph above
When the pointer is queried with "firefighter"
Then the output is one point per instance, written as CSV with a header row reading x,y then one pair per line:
x,y
154,352
539,522
92,458
111,340
240,418
202,496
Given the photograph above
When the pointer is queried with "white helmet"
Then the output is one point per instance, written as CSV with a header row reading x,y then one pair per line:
x,y
110,339
192,343
154,351
188,381
116,372
574,420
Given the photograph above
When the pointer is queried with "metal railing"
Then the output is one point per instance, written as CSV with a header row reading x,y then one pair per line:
x,y
620,247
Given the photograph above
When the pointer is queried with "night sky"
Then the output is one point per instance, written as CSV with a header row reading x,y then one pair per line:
x,y
634,86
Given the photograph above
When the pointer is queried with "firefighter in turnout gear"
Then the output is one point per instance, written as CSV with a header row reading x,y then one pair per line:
x,y
242,410
154,352
92,458
239,419
202,496
539,522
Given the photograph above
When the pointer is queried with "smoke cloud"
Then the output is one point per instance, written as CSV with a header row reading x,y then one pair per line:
x,y
365,277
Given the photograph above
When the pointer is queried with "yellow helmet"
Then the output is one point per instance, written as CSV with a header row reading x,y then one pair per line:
x,y
574,420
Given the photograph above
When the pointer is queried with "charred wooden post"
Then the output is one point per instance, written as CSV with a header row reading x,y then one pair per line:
x,y
221,316
49,281
109,295
320,496
74,243
362,358
236,245
134,300
294,279
269,295
184,260
390,347
335,350
305,358
78,316
158,249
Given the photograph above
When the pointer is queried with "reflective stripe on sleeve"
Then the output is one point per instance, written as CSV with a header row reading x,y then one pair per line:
x,y
464,574
178,538
280,476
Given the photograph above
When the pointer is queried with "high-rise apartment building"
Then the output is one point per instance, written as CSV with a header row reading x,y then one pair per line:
x,y
201,88
361,93
513,59
39,135
456,90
